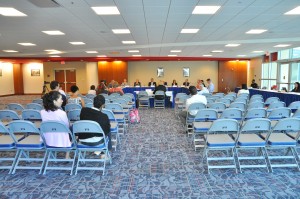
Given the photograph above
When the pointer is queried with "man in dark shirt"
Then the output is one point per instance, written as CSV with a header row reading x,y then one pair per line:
x,y
152,82
96,115
254,84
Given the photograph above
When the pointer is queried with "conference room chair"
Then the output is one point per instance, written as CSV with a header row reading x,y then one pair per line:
x,y
132,97
239,105
244,95
38,101
33,116
231,97
143,99
275,105
241,99
279,113
281,148
114,127
29,149
219,106
226,101
219,94
115,95
207,95
88,100
255,113
90,96
15,107
232,113
89,105
219,139
34,106
86,126
201,125
250,147
271,100
194,107
159,99
255,104
257,99
72,106
7,116
232,94
52,159
104,95
297,113
294,106
120,115
180,101
74,115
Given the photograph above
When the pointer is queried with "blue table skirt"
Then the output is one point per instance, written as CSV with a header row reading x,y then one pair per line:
x,y
175,90
285,97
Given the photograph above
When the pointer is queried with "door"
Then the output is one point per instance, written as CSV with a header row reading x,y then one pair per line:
x,y
60,77
66,78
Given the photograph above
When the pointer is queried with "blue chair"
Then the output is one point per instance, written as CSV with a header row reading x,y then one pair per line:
x,y
15,107
74,115
207,95
255,104
248,139
294,106
90,96
180,102
89,105
120,115
271,100
88,100
239,105
8,115
226,101
190,115
143,99
297,114
51,152
159,99
114,127
34,106
255,113
38,101
31,143
231,97
279,113
32,115
219,106
278,141
86,126
241,99
218,139
72,106
232,113
275,105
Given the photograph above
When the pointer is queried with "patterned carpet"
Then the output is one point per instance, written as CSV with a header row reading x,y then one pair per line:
x,y
155,160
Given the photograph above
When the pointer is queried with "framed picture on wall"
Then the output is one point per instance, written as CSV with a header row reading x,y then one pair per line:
x,y
35,72
0,72
186,72
160,72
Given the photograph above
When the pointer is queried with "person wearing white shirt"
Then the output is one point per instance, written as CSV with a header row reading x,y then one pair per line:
x,y
92,90
210,85
243,90
202,90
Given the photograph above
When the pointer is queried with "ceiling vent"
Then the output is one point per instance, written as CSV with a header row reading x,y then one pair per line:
x,y
45,3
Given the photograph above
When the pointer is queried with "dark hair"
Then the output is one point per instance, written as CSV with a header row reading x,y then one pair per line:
x,y
74,88
99,100
244,86
54,84
193,90
48,99
298,84
208,79
92,87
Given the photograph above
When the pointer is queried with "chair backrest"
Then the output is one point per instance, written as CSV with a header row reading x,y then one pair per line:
x,y
115,94
34,106
231,97
8,115
72,106
220,94
142,94
90,105
88,126
256,125
256,99
256,104
38,101
114,107
210,100
241,99
294,105
74,115
271,100
206,115
207,94
88,100
232,94
219,106
104,95
224,126
15,107
130,95
183,98
30,114
119,101
110,114
255,113
22,127
226,101
196,106
3,129
90,96
297,113
276,104
279,113
256,96
287,125
232,113
239,105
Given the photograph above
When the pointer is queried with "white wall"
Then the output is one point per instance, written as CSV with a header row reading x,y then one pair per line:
x,y
33,84
91,74
7,79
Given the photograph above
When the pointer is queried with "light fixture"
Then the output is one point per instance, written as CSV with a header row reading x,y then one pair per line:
x,y
128,42
11,12
77,43
101,56
10,51
172,55
256,31
282,45
27,44
206,10
49,50
136,55
241,55
55,52
217,51
295,11
91,51
232,45
175,51
133,51
257,51
121,31
109,10
53,32
207,55
189,30
54,56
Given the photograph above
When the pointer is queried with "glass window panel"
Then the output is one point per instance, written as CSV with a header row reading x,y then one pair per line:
x,y
265,71
284,54
284,73
296,52
295,72
273,70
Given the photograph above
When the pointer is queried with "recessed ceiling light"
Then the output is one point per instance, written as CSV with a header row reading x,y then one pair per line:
x,y
101,56
206,9
121,31
54,56
128,42
172,55
207,55
77,43
232,45
27,44
53,32
91,51
175,51
49,50
109,10
217,51
189,30
11,12
241,55
136,55
295,11
55,52
256,31
257,51
10,51
282,45
133,51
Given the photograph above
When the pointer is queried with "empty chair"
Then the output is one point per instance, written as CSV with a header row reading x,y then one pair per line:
x,y
218,139
89,105
219,106
72,106
74,115
85,126
180,102
249,140
114,127
255,104
294,106
120,115
207,94
255,113
32,115
90,96
274,105
226,101
31,143
143,99
232,113
256,99
115,94
279,113
159,99
271,100
210,101
51,159
15,107
280,146
219,94
239,105
34,106
297,114
190,115
231,97
38,101
87,100
8,115
241,99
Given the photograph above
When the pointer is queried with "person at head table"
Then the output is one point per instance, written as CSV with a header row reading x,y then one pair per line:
x,y
152,82
296,88
254,84
124,83
186,83
174,83
137,83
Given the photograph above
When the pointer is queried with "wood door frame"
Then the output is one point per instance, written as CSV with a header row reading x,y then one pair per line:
x,y
64,69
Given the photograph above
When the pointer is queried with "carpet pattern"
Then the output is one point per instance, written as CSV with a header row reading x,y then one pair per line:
x,y
155,160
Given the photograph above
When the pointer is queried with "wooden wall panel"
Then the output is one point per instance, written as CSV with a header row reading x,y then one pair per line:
x,y
231,74
18,79
116,70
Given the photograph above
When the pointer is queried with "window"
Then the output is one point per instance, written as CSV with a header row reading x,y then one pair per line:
x,y
269,75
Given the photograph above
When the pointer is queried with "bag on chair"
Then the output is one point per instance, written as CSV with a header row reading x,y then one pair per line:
x,y
134,116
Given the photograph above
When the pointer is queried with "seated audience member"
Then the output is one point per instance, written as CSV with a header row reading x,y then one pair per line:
x,y
202,82
74,98
186,83
137,83
198,84
296,88
243,90
124,83
52,102
54,86
102,89
152,83
61,91
174,83
92,90
274,88
254,84
111,84
160,87
195,98
210,85
202,90
116,89
96,115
